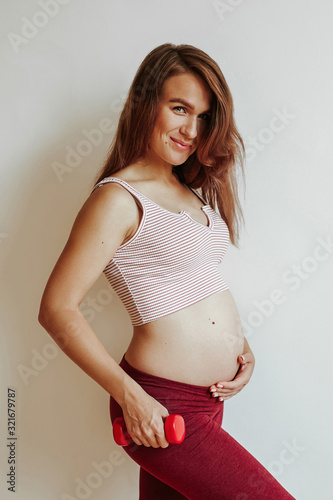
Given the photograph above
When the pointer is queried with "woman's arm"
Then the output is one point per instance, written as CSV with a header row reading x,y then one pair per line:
x,y
105,220
225,389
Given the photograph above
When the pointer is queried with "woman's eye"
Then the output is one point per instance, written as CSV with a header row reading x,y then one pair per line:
x,y
179,108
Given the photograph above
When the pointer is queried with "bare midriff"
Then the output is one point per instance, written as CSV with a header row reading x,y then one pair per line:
x,y
197,345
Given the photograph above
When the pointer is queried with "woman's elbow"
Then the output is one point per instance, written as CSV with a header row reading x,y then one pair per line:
x,y
44,315
48,311
57,319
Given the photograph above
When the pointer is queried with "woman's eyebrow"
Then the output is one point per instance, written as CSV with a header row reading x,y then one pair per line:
x,y
187,104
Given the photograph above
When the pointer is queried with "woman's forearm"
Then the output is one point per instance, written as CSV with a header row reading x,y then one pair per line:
x,y
73,334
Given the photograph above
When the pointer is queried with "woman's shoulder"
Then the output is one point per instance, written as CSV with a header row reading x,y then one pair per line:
x,y
112,195
131,175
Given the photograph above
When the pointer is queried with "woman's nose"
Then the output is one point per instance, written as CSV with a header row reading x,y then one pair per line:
x,y
189,128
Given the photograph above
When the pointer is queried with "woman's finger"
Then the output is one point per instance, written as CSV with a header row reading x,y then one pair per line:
x,y
225,390
227,394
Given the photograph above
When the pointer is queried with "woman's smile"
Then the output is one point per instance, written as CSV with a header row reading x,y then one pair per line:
x,y
180,145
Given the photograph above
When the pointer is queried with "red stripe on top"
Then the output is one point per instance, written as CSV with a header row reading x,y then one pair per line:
x,y
170,262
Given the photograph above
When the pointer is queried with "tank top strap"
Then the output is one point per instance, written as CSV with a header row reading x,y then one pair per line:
x,y
143,200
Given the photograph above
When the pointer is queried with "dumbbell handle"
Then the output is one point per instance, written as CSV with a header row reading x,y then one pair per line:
x,y
174,428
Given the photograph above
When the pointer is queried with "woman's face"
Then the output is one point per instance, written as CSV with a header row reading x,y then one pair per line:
x,y
183,114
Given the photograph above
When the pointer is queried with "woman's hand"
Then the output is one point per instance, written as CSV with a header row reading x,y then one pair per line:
x,y
224,390
143,417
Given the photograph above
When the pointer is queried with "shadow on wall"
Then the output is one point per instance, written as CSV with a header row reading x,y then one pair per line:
x,y
62,415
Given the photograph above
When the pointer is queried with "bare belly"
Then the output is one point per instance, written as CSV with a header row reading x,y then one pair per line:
x,y
197,345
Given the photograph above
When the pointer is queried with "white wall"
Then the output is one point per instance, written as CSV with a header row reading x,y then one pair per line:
x,y
66,76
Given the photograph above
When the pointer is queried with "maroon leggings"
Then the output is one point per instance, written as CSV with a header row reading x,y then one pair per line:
x,y
209,464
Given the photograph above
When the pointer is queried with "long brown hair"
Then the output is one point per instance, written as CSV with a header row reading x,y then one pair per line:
x,y
212,166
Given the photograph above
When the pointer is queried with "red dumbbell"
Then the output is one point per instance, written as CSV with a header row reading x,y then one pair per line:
x,y
174,428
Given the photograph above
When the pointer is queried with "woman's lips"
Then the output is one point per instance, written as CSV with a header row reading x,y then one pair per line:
x,y
182,146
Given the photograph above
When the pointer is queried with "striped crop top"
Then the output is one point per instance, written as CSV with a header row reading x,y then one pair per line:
x,y
170,262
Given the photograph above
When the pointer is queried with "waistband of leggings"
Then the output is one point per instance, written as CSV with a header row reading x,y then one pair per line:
x,y
149,379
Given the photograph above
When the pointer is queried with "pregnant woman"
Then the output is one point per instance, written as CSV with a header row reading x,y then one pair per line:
x,y
159,242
